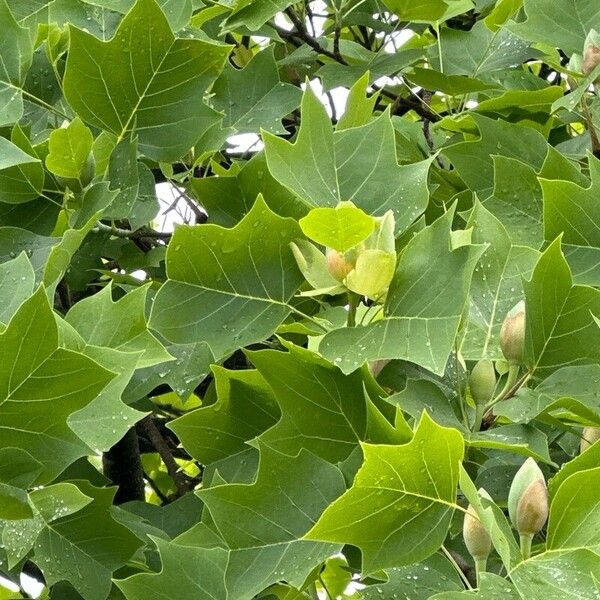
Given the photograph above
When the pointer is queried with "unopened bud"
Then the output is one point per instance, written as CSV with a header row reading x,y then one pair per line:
x,y
512,334
528,499
589,436
482,381
591,52
338,264
477,539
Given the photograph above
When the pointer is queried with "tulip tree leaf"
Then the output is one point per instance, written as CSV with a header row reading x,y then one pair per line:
x,y
120,325
263,523
538,577
16,53
473,159
576,18
21,173
418,581
245,408
559,326
269,99
322,409
17,280
141,79
491,587
324,168
41,385
92,558
206,299
69,149
185,570
574,512
570,392
423,308
396,489
340,228
496,285
572,211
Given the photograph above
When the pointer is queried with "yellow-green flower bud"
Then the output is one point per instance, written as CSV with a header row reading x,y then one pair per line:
x,y
477,539
482,381
589,436
528,499
512,334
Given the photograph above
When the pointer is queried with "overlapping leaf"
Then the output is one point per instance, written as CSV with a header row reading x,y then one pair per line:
x,y
144,79
228,288
324,168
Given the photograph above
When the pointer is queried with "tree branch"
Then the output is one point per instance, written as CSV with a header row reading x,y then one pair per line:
x,y
162,447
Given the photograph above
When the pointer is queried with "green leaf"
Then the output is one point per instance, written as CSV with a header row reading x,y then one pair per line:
x,y
41,385
14,503
253,13
262,524
244,409
16,53
359,106
423,306
21,173
322,409
253,98
120,325
578,569
568,393
428,11
478,50
69,149
586,460
491,587
340,228
396,491
575,512
574,17
92,558
141,79
473,159
324,168
419,581
228,287
572,211
17,280
559,326
496,285
185,570
229,198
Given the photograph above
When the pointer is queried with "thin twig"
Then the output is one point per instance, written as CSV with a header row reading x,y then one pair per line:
x,y
302,33
143,233
160,444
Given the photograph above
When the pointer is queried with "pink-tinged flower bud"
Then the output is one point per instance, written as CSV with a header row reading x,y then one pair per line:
x,y
512,334
528,499
589,436
477,539
591,52
338,264
482,381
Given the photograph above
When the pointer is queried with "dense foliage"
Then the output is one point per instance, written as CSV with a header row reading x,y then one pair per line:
x,y
366,361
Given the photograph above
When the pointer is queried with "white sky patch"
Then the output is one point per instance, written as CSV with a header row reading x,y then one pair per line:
x,y
32,586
